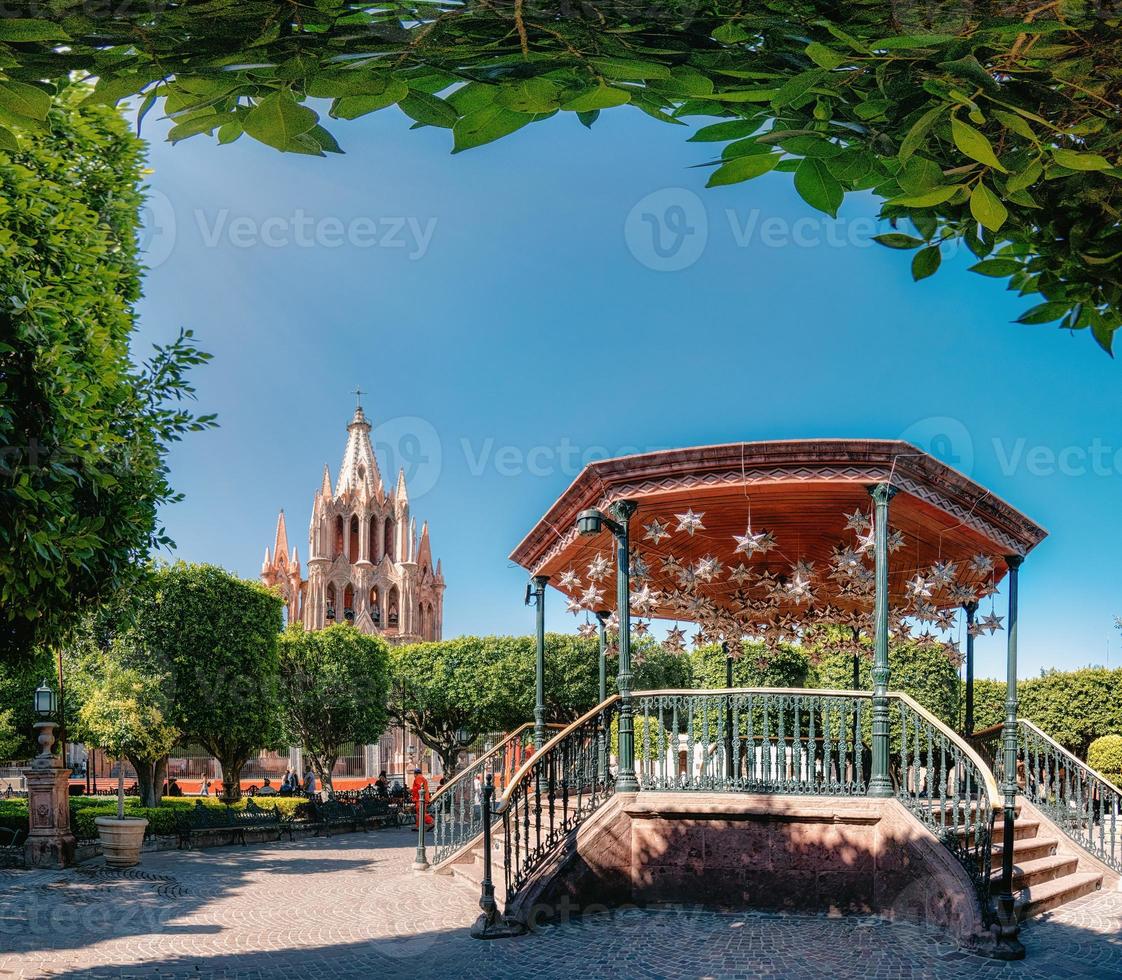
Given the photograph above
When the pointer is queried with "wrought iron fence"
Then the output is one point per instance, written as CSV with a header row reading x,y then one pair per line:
x,y
457,806
554,793
1084,804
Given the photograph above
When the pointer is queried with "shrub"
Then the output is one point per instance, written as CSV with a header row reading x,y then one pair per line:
x,y
1105,755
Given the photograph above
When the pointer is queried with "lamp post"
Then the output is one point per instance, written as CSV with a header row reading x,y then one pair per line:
x,y
1009,946
50,844
535,593
591,522
879,783
602,738
970,608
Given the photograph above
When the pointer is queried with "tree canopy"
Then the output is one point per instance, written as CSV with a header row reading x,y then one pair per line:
x,y
84,432
333,688
992,123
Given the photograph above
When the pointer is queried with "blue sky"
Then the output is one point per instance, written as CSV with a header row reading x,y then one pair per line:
x,y
509,313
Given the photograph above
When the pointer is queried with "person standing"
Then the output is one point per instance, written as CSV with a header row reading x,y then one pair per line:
x,y
310,782
419,783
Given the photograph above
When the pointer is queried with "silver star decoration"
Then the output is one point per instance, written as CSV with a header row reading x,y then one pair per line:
x,y
991,623
671,564
919,588
895,541
942,573
643,600
676,639
866,542
640,628
847,561
981,564
573,605
740,574
803,568
611,624
587,630
799,590
858,522
708,568
599,567
698,639
960,594
639,567
655,531
592,598
690,522
569,580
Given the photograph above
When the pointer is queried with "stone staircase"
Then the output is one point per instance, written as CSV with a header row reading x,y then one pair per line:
x,y
1046,875
468,867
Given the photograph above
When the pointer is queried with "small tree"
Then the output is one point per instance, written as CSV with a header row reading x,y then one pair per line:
x,y
1104,755
123,714
333,689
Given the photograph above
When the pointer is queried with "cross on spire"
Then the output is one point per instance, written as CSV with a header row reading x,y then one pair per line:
x,y
358,395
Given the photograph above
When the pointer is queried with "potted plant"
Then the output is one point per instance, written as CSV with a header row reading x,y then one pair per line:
x,y
123,715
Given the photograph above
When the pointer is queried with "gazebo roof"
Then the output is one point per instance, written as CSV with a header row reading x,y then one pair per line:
x,y
782,512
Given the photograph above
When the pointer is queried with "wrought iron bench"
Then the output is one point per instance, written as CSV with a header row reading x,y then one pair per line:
x,y
203,821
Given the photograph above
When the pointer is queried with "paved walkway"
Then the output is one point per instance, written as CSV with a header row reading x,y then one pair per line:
x,y
349,906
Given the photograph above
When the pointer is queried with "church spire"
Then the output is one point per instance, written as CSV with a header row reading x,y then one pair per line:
x,y
280,546
359,468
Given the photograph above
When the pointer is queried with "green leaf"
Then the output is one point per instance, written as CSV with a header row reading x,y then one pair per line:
x,y
429,110
277,120
974,144
928,199
823,56
1103,334
230,131
919,129
851,165
8,141
987,208
896,239
817,186
353,106
1016,123
530,95
730,130
1043,313
795,88
19,29
902,42
598,97
486,125
588,118
925,262
998,268
1027,177
626,70
204,123
1075,160
354,81
21,99
743,168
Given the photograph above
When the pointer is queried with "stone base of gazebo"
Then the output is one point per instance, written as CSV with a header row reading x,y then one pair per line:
x,y
810,855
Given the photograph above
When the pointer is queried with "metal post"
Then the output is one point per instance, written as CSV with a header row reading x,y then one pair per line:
x,y
421,860
880,784
730,765
856,686
602,736
539,662
626,781
1009,947
490,925
970,609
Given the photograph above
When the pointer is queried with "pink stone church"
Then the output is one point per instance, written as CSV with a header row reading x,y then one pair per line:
x,y
367,563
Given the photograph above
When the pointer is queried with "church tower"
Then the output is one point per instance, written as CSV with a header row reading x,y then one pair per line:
x,y
366,563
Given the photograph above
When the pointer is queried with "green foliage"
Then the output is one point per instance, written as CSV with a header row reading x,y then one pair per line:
x,y
212,637
125,713
84,433
994,125
757,666
1104,755
334,685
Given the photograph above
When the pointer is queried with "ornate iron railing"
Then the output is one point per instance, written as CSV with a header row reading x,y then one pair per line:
x,y
761,740
554,793
1084,804
457,806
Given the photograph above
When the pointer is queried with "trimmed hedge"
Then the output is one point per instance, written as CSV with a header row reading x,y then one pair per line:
x,y
1105,755
84,810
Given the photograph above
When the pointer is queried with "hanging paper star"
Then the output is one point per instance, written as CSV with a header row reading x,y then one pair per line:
x,y
640,628
741,574
611,624
676,639
655,531
799,589
708,568
803,568
698,639
599,567
919,587
981,564
587,630
643,600
942,573
991,623
690,522
569,580
895,541
671,564
960,594
946,619
592,597
858,522
639,568
573,605
846,561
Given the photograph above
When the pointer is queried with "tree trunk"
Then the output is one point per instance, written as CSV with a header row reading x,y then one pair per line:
x,y
231,779
450,760
150,780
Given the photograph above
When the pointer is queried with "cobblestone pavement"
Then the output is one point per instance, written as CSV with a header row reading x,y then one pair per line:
x,y
349,906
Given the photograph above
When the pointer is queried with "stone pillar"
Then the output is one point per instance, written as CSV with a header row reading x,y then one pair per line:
x,y
50,843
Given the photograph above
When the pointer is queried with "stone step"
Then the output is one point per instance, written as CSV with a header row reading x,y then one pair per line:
x,y
1026,874
950,812
1048,895
1022,830
1026,849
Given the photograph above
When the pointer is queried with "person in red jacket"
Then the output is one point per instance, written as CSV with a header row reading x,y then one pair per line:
x,y
419,782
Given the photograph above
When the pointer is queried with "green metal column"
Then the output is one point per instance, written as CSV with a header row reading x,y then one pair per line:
x,y
970,608
539,662
602,737
1010,946
880,784
625,780
731,765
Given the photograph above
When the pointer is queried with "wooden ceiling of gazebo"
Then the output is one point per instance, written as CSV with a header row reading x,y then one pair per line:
x,y
812,497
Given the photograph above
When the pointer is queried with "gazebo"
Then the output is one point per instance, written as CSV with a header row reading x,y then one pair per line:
x,y
772,542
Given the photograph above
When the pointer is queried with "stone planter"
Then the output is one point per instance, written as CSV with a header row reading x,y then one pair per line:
x,y
121,840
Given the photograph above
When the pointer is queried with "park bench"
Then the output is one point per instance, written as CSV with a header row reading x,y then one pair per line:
x,y
328,814
203,821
